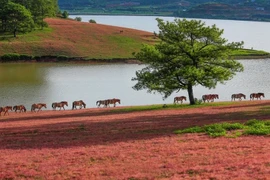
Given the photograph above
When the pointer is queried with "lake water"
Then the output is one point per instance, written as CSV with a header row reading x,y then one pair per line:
x,y
254,34
28,83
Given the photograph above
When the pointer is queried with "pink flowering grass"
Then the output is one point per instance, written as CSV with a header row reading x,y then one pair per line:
x,y
102,144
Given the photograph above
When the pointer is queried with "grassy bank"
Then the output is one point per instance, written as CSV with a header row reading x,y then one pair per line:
x,y
69,40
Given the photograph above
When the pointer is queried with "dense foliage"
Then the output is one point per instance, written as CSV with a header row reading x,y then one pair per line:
x,y
189,54
25,15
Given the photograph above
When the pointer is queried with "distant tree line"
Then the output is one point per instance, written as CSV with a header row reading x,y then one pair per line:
x,y
25,15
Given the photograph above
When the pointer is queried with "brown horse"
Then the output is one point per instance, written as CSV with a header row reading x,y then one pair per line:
x,y
238,96
113,101
209,97
60,105
20,108
78,103
256,95
179,98
6,109
38,106
105,103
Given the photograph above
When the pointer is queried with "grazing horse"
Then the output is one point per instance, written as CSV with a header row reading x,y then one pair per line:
x,y
179,98
113,101
78,103
256,95
105,103
209,97
238,96
38,106
20,108
60,105
6,109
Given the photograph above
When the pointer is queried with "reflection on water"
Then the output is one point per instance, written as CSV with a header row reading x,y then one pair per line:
x,y
50,82
20,73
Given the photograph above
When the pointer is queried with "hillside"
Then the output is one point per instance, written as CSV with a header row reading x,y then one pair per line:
x,y
77,39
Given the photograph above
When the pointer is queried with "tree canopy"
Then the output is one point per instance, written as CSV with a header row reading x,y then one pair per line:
x,y
189,54
25,15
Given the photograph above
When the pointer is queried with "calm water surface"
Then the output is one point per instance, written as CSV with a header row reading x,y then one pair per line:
x,y
30,83
44,82
255,34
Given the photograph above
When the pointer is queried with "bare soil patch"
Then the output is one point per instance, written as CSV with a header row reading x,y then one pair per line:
x,y
98,143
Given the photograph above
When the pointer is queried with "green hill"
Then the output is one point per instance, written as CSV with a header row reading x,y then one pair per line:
x,y
69,38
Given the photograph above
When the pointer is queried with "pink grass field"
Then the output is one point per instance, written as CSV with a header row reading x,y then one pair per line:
x,y
97,143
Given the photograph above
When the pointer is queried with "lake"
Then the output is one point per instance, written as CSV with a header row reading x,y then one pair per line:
x,y
28,83
254,34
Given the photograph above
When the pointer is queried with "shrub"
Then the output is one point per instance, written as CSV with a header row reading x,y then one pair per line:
x,y
92,21
62,58
78,18
195,129
26,57
10,57
65,14
215,130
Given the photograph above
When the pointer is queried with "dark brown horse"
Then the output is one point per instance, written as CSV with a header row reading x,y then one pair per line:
x,y
59,105
256,95
113,101
238,96
6,109
105,103
209,97
179,98
20,108
78,103
38,106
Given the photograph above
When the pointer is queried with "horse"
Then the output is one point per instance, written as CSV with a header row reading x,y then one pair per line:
x,y
209,97
113,101
20,108
256,95
6,109
38,106
78,103
60,105
238,96
179,98
102,102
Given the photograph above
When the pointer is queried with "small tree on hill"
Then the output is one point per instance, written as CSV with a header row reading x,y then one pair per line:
x,y
188,54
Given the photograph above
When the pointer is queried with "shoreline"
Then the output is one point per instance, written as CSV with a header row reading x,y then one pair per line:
x,y
50,59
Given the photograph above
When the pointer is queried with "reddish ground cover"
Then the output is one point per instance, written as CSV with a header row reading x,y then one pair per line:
x,y
98,143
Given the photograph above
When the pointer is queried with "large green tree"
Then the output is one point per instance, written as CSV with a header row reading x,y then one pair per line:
x,y
189,53
18,19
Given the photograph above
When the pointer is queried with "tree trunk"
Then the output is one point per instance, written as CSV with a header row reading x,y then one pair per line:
x,y
190,94
14,33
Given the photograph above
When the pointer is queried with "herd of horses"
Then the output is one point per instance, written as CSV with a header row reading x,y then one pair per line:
x,y
61,105
212,97
114,101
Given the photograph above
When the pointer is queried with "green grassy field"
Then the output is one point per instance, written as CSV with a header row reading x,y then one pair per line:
x,y
77,39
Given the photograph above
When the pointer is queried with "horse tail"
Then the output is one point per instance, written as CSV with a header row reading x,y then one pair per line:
x,y
251,95
73,105
203,98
